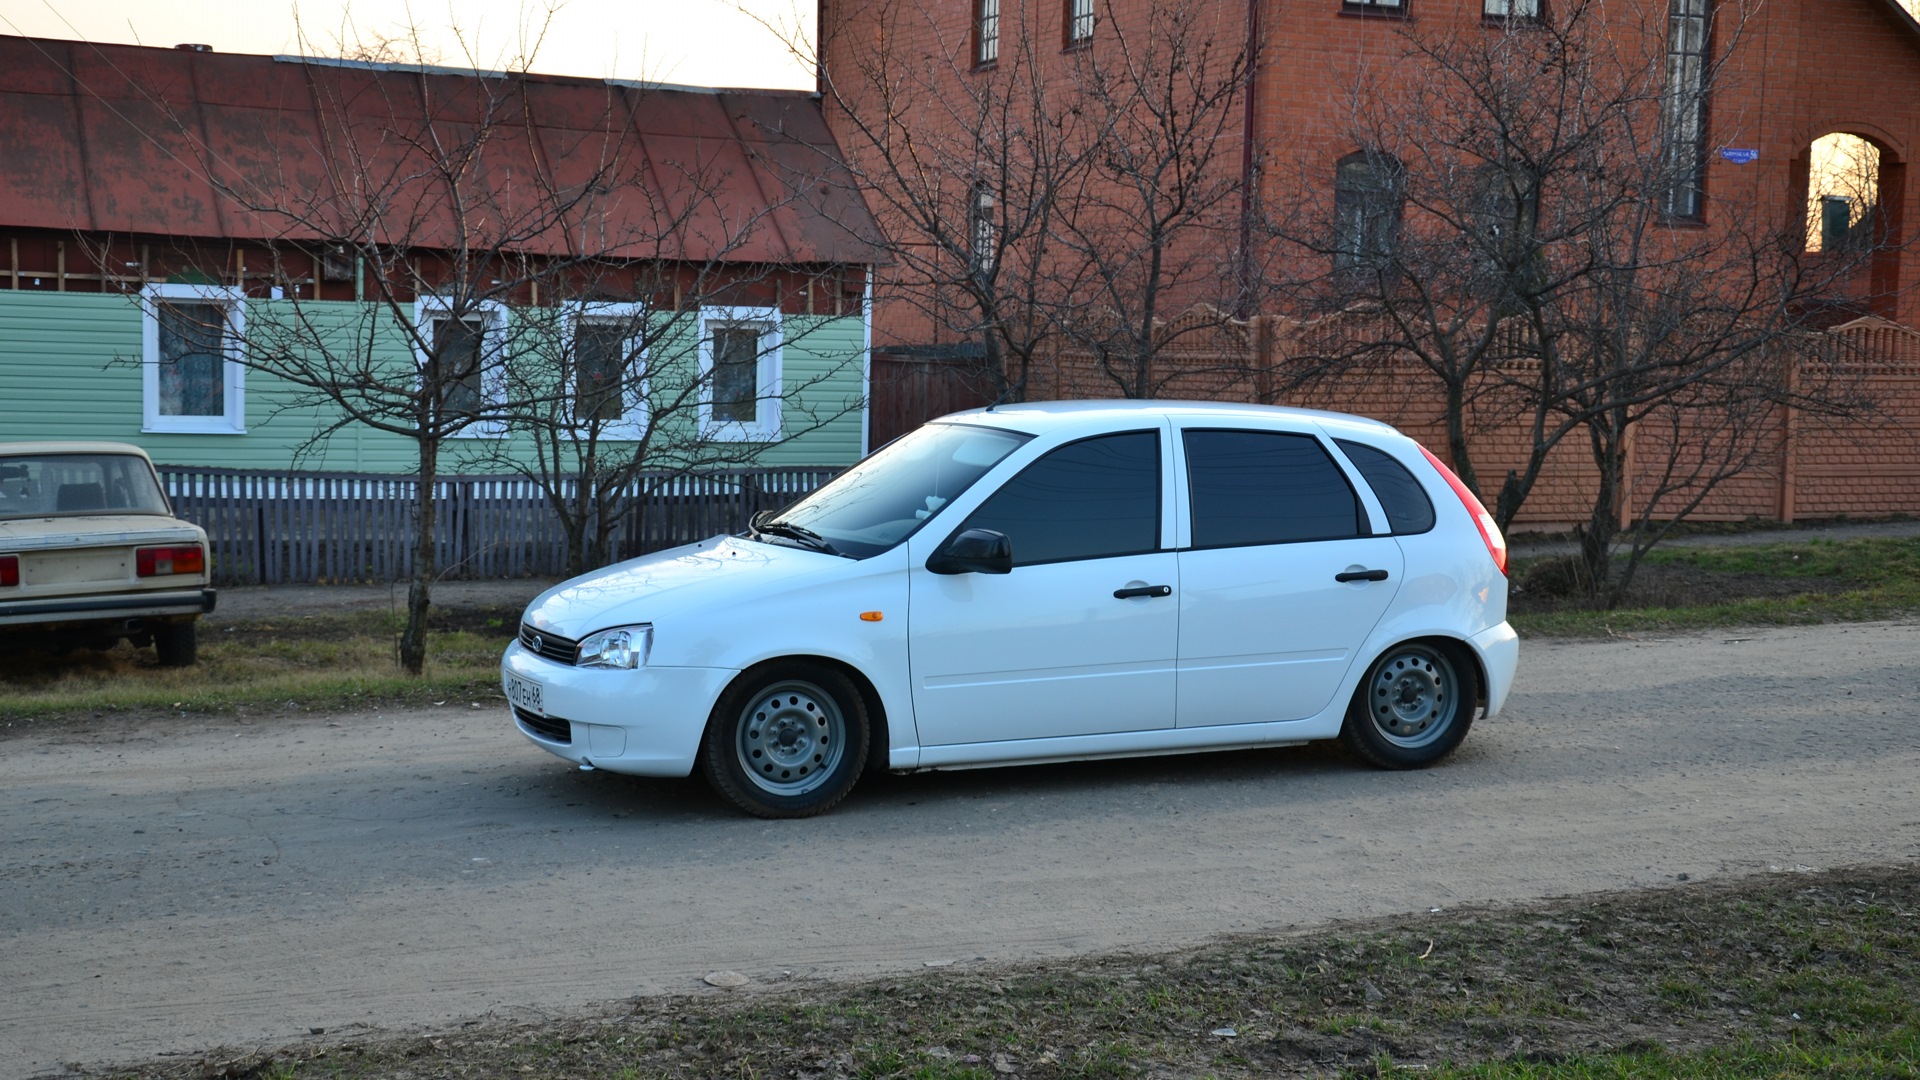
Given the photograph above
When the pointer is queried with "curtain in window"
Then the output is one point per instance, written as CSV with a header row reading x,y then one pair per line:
x,y
1683,109
193,360
600,366
1366,210
455,365
736,375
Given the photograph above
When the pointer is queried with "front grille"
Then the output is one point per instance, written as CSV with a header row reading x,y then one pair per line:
x,y
549,646
550,728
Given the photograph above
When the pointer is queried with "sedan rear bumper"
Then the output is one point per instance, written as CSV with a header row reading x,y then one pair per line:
x,y
61,609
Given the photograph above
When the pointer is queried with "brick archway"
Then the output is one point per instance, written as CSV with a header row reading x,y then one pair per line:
x,y
1883,285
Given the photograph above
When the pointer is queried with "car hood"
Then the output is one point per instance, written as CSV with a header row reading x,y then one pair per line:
x,y
93,530
716,571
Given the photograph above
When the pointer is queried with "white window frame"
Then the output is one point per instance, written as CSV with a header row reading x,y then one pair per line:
x,y
233,421
634,410
1080,19
766,424
493,347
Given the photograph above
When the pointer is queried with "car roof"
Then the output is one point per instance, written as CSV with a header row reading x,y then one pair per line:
x,y
1036,417
31,449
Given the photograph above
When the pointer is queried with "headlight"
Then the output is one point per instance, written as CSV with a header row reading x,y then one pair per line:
x,y
618,647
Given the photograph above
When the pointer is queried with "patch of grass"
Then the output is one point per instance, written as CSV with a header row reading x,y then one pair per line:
x,y
333,661
1781,975
1847,581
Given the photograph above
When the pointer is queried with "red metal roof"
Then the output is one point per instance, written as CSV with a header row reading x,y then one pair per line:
x,y
125,139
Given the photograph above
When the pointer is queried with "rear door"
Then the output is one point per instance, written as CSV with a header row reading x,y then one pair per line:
x,y
1282,577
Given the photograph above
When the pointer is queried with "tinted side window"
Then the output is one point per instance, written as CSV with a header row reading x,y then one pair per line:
x,y
1256,487
1408,508
1085,500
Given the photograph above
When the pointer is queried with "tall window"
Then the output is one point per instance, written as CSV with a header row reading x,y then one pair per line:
x,y
740,365
454,366
983,230
607,373
1683,108
1079,22
986,31
600,371
1508,261
460,353
192,378
1512,9
1366,210
736,373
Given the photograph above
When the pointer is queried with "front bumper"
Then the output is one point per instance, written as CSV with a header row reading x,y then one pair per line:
x,y
105,608
1499,649
645,722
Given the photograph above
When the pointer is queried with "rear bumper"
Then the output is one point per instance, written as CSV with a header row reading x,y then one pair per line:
x,y
1499,649
109,608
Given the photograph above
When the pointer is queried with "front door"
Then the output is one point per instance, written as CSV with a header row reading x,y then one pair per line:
x,y
1050,650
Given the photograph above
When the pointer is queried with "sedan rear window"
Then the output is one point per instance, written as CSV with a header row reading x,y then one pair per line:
x,y
55,485
1264,487
1405,501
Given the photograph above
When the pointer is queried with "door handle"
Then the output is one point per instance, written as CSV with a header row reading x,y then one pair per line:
x,y
1361,575
1143,590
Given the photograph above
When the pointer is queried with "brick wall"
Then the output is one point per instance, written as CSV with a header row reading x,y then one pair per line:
x,y
1793,466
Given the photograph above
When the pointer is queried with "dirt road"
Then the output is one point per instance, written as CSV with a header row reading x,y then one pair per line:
x,y
202,882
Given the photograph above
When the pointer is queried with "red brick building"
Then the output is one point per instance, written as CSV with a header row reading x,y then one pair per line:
x,y
1793,71
915,81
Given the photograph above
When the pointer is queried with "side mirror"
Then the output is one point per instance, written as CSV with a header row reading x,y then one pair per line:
x,y
974,551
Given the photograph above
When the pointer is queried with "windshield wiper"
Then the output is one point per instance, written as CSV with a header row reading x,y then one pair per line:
x,y
761,523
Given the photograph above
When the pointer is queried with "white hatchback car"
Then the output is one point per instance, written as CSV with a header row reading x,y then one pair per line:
x,y
1042,582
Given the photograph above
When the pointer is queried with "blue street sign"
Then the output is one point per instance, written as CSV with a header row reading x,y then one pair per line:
x,y
1737,155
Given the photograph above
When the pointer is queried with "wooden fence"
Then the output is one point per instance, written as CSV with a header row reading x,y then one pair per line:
x,y
276,528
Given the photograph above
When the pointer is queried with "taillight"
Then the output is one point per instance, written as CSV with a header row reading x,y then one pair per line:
x,y
161,561
9,570
1489,531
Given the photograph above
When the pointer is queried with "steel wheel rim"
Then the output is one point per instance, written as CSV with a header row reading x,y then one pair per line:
x,y
1413,697
790,738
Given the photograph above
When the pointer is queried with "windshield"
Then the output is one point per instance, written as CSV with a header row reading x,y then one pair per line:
x,y
882,500
64,485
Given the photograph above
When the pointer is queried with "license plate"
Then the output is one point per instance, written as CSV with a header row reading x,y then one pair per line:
x,y
524,693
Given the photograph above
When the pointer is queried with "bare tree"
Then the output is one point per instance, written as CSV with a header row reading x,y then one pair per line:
x,y
1035,202
464,242
1522,223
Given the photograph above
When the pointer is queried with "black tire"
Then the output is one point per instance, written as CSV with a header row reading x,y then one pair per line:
x,y
1413,708
176,643
787,740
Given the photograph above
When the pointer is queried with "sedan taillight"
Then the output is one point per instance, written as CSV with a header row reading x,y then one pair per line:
x,y
9,570
161,561
1489,531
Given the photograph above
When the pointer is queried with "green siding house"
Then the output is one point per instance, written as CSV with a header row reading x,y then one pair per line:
x,y
283,263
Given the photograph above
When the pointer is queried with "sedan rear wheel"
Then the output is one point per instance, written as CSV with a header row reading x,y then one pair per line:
x,y
786,740
175,642
1412,709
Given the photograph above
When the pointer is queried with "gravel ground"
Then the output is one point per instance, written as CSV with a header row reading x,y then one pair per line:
x,y
181,883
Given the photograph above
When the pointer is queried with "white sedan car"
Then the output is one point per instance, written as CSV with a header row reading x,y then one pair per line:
x,y
1042,582
91,554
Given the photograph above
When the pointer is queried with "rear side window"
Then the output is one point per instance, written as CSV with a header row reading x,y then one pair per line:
x,y
1259,487
1087,500
1405,501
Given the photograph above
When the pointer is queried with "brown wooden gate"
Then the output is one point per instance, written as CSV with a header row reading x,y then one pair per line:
x,y
907,391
